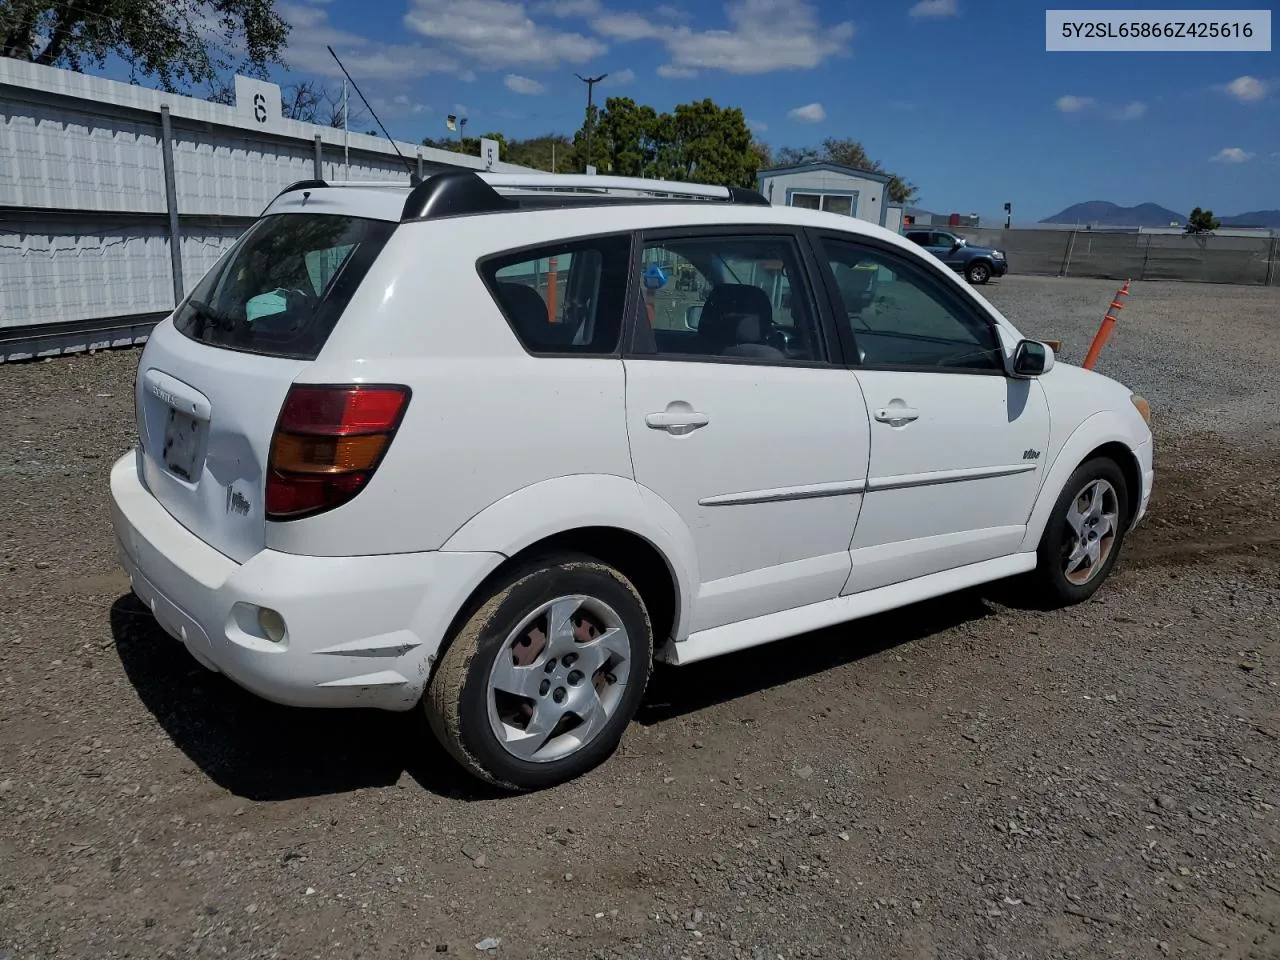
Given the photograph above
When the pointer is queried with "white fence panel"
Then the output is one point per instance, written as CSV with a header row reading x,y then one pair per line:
x,y
85,231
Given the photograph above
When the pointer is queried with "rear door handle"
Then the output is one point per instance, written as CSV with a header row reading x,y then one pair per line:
x,y
897,415
677,422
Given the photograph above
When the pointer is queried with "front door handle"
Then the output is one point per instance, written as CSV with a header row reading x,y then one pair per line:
x,y
897,416
677,422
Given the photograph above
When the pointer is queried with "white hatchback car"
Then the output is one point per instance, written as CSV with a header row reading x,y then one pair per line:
x,y
493,448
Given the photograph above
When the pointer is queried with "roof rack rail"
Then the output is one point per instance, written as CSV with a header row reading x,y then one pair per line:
x,y
458,192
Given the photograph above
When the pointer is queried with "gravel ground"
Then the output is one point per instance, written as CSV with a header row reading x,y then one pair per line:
x,y
962,779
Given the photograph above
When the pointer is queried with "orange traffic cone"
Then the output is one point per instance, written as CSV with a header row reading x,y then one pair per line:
x,y
1105,330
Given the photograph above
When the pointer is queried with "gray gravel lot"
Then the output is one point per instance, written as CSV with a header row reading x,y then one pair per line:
x,y
963,779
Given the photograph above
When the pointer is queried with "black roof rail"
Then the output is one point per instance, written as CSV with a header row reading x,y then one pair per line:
x,y
299,185
452,193
747,196
458,192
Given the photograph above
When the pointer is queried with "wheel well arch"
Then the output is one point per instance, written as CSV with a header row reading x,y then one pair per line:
x,y
1127,461
631,554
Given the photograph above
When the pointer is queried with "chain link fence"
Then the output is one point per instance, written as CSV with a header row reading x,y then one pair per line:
x,y
1251,261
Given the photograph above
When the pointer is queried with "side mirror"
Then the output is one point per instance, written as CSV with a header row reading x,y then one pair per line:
x,y
1031,358
692,315
957,243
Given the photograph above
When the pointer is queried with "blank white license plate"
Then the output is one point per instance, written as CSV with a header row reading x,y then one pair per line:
x,y
181,441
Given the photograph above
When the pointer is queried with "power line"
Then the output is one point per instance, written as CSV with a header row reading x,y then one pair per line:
x,y
412,173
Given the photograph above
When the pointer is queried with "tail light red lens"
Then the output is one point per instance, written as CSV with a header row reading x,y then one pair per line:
x,y
328,442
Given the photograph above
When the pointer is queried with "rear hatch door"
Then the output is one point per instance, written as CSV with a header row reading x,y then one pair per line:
x,y
214,376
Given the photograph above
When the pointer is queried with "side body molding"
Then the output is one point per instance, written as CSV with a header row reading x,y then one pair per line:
x,y
556,506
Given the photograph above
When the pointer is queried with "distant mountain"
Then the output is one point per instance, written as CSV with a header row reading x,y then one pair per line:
x,y
1256,218
1105,214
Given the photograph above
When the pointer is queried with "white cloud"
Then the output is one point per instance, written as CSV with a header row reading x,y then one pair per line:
x,y
399,107
756,126
669,72
1071,104
809,113
569,8
1131,111
671,14
498,33
366,59
1247,88
626,26
619,78
1231,155
763,36
523,85
934,9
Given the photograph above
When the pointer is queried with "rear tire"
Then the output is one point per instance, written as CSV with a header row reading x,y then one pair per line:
x,y
1082,540
978,272
539,684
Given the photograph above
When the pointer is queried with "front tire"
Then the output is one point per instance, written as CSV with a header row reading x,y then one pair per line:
x,y
978,272
539,684
1085,532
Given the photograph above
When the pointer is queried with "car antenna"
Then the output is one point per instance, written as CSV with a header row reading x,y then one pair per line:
x,y
413,177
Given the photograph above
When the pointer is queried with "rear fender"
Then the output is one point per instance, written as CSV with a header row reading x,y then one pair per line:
x,y
565,504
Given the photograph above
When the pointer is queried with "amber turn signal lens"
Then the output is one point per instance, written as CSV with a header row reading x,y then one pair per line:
x,y
1143,406
316,454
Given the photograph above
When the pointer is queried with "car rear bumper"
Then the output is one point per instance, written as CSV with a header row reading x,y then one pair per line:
x,y
360,631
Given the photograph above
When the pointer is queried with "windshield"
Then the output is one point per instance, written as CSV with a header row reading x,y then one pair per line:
x,y
280,290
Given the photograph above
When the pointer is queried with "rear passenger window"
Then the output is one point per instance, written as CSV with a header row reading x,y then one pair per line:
x,y
564,298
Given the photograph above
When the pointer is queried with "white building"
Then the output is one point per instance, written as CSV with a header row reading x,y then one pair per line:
x,y
828,186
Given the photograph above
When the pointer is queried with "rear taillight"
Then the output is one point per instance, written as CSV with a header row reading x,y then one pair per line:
x,y
327,444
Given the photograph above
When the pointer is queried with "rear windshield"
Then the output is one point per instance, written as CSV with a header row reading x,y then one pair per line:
x,y
280,290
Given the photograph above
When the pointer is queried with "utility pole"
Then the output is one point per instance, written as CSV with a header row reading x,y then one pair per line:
x,y
591,83
1008,215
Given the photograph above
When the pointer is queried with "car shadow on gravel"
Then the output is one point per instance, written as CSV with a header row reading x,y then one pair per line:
x,y
265,752
675,691
262,751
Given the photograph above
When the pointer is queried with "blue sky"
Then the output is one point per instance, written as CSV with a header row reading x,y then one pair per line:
x,y
958,96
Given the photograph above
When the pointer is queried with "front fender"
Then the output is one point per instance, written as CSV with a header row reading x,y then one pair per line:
x,y
542,510
1100,428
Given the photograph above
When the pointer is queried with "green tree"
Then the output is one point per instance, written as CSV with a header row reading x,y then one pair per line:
x,y
540,153
625,133
1201,221
599,154
181,43
701,142
848,153
550,152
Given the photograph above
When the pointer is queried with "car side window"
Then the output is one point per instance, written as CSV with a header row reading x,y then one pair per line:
x,y
901,316
568,297
733,296
917,236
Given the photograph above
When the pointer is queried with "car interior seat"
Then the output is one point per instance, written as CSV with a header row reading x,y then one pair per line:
x,y
528,313
736,321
